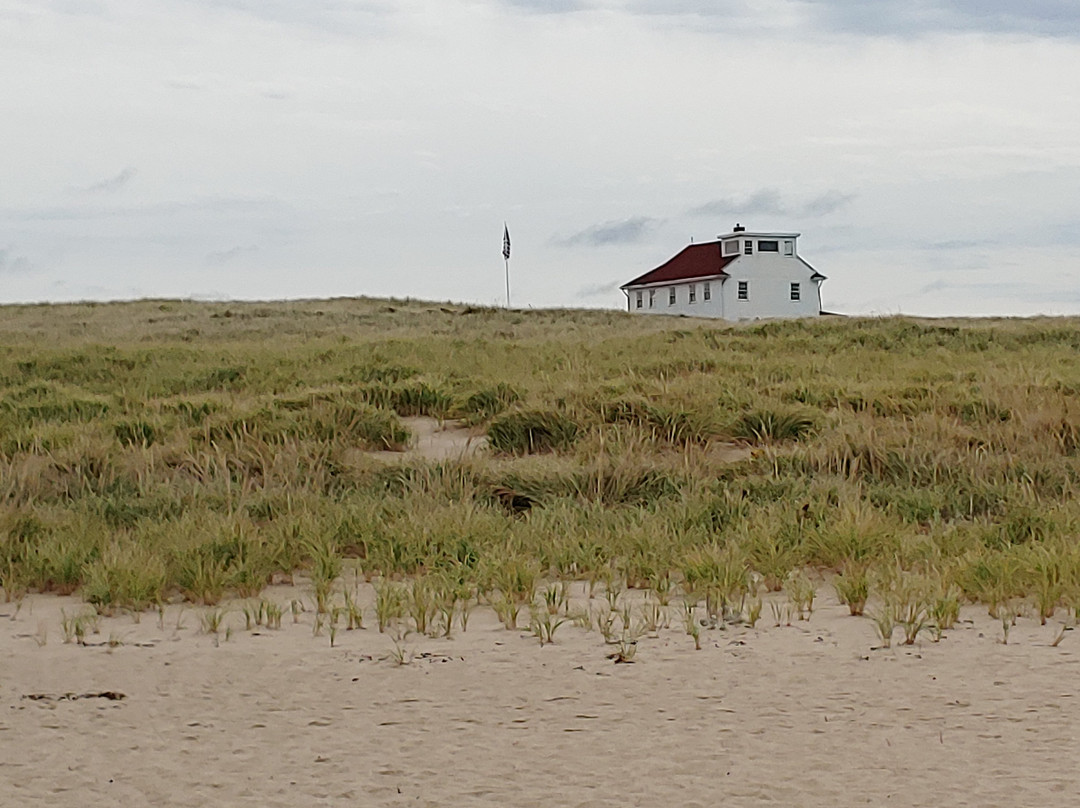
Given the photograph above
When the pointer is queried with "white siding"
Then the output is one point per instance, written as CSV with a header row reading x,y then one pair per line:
x,y
700,308
768,277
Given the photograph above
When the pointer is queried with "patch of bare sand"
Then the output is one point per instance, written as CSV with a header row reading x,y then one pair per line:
x,y
447,440
435,440
805,715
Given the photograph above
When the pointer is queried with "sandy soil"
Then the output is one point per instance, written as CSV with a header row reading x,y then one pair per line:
x,y
805,715
432,440
451,439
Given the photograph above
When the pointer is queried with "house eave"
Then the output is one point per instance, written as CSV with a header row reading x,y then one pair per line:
x,y
721,276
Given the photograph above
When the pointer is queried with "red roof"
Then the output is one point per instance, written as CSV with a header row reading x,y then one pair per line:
x,y
695,261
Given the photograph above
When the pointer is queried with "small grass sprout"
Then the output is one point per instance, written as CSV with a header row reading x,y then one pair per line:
x,y
1007,613
944,612
753,612
556,596
273,614
654,617
580,617
211,620
507,609
1065,626
690,623
353,612
77,626
605,624
543,624
884,619
852,587
390,601
913,618
625,643
801,594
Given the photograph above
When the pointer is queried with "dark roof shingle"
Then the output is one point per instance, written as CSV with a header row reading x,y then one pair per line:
x,y
695,261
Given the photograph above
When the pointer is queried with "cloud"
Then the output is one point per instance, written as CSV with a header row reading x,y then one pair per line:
x,y
212,207
11,264
766,201
184,84
338,17
769,202
111,184
892,18
828,202
1002,289
225,256
958,244
78,8
597,290
1052,18
935,286
624,231
548,6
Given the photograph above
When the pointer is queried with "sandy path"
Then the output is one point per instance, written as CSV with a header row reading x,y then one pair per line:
x,y
805,715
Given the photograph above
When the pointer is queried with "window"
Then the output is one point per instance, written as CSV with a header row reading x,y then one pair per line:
x,y
795,293
789,248
744,291
639,300
652,297
748,247
768,246
671,296
693,293
731,247
706,292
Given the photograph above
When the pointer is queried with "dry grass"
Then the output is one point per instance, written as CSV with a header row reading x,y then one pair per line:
x,y
158,448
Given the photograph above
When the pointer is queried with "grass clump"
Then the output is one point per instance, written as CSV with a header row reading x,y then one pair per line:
x,y
853,587
125,577
488,402
772,426
163,449
531,432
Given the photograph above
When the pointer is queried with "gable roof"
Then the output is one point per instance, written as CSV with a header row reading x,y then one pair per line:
x,y
695,261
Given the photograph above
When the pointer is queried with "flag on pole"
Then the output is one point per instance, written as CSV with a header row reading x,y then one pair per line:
x,y
506,242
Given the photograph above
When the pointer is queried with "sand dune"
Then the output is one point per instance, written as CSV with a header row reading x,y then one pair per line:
x,y
803,715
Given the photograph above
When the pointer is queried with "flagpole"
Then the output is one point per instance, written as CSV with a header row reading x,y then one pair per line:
x,y
506,260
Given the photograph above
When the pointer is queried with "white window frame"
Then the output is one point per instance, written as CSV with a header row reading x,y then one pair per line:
x,y
671,296
796,292
639,300
693,293
652,297
789,247
744,290
748,247
706,291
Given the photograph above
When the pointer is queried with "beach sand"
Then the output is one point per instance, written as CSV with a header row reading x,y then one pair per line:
x,y
801,715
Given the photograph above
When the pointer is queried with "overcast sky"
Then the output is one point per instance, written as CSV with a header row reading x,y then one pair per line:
x,y
927,150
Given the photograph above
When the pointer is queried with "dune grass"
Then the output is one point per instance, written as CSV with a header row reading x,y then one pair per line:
x,y
165,448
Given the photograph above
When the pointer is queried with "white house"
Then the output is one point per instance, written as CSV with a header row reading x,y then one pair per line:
x,y
740,276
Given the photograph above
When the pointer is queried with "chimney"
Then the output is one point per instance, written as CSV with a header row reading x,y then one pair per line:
x,y
739,228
